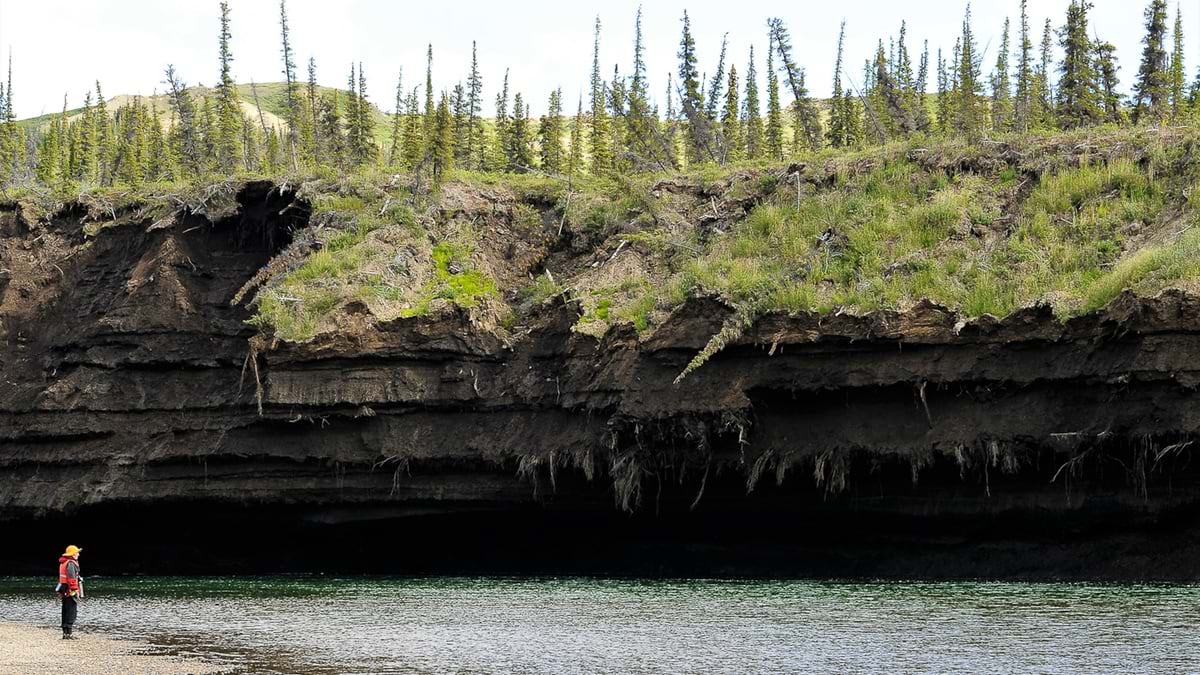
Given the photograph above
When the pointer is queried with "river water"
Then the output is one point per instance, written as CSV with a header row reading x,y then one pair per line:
x,y
486,625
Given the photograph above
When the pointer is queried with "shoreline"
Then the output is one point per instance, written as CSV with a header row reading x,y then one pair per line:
x,y
37,649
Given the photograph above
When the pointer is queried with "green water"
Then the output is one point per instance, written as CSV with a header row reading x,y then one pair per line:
x,y
486,625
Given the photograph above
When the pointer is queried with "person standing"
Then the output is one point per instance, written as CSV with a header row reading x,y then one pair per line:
x,y
70,588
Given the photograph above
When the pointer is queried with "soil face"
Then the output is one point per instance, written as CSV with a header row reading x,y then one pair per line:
x,y
135,397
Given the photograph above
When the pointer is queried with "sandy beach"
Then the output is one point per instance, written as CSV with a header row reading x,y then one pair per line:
x,y
37,650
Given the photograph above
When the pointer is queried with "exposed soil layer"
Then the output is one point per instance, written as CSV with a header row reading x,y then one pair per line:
x,y
142,417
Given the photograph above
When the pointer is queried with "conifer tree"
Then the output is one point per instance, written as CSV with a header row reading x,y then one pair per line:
x,y
292,96
837,121
189,133
943,94
314,111
475,155
731,127
413,125
1023,101
87,164
751,114
1078,86
671,126
360,131
969,113
1110,98
334,150
503,127
49,151
617,101
691,97
103,137
575,158
1042,116
550,134
520,151
1151,90
1175,73
395,157
713,98
1002,108
774,130
429,128
639,122
598,135
229,115
458,122
443,141
807,119
921,114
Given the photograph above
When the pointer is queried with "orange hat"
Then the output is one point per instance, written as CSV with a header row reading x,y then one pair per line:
x,y
73,550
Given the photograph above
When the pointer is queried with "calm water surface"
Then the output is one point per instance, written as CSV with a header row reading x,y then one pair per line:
x,y
486,625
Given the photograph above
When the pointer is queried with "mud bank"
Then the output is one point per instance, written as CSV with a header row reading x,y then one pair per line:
x,y
136,397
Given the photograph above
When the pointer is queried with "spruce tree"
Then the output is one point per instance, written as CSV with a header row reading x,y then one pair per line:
x,y
550,134
459,123
1042,116
103,137
414,148
475,155
292,96
1151,90
617,129
639,122
429,129
443,141
807,119
1175,73
969,112
503,127
751,114
774,129
731,127
575,158
1078,85
713,98
598,134
943,94
921,114
691,98
1106,64
189,134
331,132
229,113
395,157
670,129
314,111
837,123
520,151
361,129
1023,102
1002,109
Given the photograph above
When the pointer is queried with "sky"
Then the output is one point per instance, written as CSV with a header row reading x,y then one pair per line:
x,y
62,46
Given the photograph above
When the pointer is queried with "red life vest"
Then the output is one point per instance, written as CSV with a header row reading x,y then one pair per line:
x,y
69,585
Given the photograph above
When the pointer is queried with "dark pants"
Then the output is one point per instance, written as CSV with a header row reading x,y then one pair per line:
x,y
70,609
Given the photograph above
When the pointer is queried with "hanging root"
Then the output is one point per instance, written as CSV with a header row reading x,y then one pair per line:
x,y
255,346
626,473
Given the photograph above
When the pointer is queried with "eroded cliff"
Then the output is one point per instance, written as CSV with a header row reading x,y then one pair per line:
x,y
140,408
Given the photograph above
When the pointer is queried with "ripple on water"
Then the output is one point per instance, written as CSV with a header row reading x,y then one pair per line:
x,y
640,626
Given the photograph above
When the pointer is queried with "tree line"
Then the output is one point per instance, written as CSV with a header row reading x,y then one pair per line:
x,y
619,127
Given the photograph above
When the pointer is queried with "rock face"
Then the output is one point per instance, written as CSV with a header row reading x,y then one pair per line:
x,y
142,417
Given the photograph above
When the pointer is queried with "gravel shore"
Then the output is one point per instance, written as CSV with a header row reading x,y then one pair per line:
x,y
35,650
